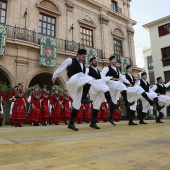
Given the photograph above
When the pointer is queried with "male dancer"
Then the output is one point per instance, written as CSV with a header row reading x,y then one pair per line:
x,y
97,89
152,95
77,79
133,92
116,87
160,89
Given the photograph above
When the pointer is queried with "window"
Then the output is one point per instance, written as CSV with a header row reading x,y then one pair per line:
x,y
86,37
165,56
152,77
114,5
47,25
164,29
118,47
150,63
3,7
167,77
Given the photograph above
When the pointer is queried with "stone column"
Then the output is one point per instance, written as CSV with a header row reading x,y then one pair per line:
x,y
21,71
104,33
69,19
130,34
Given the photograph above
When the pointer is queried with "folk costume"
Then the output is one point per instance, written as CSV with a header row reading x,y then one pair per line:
x,y
163,99
77,79
19,108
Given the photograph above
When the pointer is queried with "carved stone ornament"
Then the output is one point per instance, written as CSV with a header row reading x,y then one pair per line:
x,y
87,21
104,19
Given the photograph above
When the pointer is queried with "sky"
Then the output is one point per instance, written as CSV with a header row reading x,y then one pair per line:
x,y
146,11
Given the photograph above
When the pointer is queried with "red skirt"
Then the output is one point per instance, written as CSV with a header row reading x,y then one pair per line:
x,y
87,112
104,112
66,112
117,115
18,112
56,113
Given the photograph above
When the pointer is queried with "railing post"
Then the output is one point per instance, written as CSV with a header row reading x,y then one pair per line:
x,y
34,37
15,31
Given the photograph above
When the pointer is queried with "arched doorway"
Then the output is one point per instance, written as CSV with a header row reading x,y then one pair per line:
x,y
3,77
45,79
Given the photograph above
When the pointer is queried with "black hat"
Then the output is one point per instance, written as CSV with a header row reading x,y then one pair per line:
x,y
82,51
158,78
93,58
144,73
127,67
112,57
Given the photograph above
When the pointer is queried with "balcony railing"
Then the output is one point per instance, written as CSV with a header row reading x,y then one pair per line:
x,y
118,57
33,37
116,8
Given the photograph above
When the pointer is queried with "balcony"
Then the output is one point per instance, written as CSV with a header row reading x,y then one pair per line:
x,y
23,34
115,8
120,57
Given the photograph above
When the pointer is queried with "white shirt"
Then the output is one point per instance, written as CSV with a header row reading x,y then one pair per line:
x,y
63,66
122,77
155,86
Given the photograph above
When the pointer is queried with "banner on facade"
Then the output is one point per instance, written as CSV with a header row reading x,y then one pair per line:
x,y
124,63
3,34
91,52
48,51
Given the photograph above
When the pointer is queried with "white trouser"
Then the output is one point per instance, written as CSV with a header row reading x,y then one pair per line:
x,y
164,100
145,104
75,87
115,88
133,93
2,110
97,90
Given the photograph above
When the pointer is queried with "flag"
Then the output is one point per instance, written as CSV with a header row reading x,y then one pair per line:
x,y
48,51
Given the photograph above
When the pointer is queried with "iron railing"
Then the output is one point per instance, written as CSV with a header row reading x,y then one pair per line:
x,y
116,8
34,37
118,57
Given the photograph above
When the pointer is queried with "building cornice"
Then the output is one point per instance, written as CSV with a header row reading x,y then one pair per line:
x,y
156,22
109,11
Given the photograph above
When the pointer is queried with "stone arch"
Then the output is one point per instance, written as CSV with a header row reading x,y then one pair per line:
x,y
118,32
49,5
7,75
46,79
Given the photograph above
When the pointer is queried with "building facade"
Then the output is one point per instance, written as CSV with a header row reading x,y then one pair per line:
x,y
149,66
159,31
104,25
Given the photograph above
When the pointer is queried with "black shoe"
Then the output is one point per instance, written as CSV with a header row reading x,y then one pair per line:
x,y
132,123
142,122
94,125
86,100
56,124
128,104
73,127
66,123
111,121
159,121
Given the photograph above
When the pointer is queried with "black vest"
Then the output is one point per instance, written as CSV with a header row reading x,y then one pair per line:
x,y
112,72
144,86
132,81
93,73
160,89
75,68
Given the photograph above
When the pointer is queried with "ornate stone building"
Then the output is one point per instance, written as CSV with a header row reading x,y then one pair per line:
x,y
104,25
